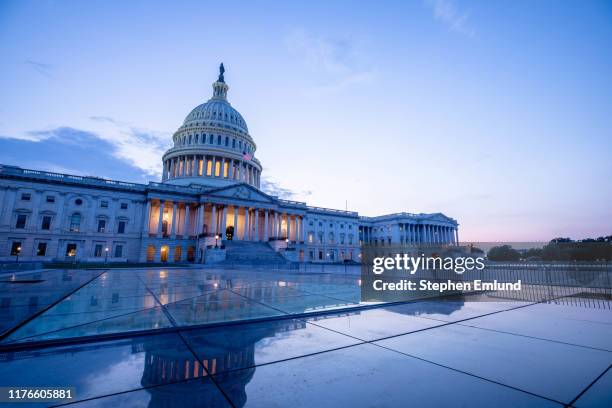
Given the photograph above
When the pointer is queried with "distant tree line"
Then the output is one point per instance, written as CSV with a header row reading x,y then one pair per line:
x,y
558,249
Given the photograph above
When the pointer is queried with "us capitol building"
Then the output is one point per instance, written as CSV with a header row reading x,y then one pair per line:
x,y
207,207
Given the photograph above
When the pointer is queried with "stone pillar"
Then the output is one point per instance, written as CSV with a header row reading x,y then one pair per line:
x,y
235,222
147,218
256,213
289,227
194,166
223,222
162,203
186,224
174,215
302,229
247,229
266,226
457,235
214,166
213,220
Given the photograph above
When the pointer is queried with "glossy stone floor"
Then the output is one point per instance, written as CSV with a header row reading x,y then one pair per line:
x,y
67,304
425,354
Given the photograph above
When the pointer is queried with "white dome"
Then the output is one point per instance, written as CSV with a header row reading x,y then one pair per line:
x,y
216,112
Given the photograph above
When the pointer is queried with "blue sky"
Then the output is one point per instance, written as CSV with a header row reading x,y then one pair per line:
x,y
494,113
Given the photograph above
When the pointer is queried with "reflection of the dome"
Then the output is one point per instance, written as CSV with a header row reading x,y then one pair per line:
x,y
227,350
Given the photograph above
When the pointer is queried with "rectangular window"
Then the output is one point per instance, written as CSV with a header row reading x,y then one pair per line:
x,y
124,206
209,167
118,251
26,196
121,227
101,225
217,168
15,248
41,250
21,221
50,199
225,169
104,204
98,250
46,223
71,250
200,167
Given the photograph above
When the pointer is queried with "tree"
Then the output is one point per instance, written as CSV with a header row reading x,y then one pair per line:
x,y
503,253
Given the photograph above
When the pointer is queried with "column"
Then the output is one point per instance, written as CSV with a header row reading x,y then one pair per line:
x,y
289,227
302,229
173,230
186,223
275,225
162,203
213,221
224,222
194,166
457,235
266,226
199,218
235,222
247,229
214,166
147,217
257,237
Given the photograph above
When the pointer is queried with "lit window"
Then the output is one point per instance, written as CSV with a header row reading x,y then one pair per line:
x,y
71,250
15,248
41,250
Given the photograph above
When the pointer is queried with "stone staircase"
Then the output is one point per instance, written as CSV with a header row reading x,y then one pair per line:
x,y
252,253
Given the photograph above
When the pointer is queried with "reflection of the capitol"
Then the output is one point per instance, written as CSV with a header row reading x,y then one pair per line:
x,y
225,350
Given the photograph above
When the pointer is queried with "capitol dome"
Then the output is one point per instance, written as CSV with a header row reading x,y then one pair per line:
x,y
213,146
217,112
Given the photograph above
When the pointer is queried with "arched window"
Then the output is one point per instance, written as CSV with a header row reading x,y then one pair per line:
x,y
212,139
226,141
219,140
234,143
75,222
189,139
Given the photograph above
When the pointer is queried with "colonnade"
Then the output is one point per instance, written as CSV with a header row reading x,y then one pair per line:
x,y
410,233
173,218
211,166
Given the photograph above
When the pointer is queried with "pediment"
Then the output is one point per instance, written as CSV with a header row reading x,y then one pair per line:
x,y
242,192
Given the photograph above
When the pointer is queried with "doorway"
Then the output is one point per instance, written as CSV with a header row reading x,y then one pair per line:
x,y
229,233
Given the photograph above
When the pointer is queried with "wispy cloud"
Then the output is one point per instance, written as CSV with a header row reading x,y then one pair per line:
x,y
336,63
138,147
41,67
274,188
447,12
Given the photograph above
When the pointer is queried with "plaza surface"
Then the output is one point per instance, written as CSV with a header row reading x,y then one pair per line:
x,y
213,338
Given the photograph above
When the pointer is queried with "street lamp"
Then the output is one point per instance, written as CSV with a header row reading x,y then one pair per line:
x,y
216,239
17,254
106,255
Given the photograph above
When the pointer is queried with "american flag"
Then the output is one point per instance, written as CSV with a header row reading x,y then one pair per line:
x,y
246,156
